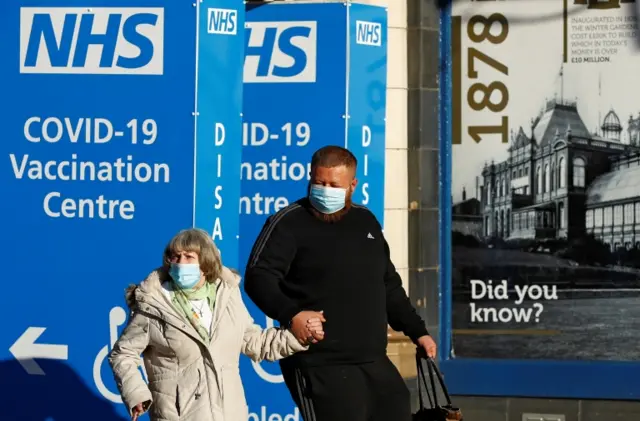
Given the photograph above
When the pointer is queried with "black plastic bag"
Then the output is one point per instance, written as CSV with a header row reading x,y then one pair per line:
x,y
435,411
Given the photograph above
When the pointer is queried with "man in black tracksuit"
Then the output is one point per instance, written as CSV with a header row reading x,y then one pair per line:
x,y
324,256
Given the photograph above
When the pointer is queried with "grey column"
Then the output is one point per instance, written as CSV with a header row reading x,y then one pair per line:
x,y
423,148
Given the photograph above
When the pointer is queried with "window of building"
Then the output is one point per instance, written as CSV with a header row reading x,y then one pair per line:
x,y
562,214
546,179
520,172
579,173
598,217
514,174
538,179
637,212
531,220
608,216
628,214
520,224
617,215
589,218
526,170
552,178
562,173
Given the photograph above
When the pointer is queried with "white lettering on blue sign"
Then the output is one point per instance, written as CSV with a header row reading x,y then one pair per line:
x,y
266,415
222,21
220,134
100,40
280,52
94,131
368,33
364,184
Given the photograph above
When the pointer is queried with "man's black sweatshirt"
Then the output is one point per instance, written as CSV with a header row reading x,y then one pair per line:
x,y
343,268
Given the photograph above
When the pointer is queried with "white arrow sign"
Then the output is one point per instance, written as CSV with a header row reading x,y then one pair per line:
x,y
26,351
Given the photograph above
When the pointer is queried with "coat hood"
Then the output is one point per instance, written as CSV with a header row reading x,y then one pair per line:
x,y
155,279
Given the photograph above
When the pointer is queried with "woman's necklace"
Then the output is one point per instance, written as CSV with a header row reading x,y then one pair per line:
x,y
200,308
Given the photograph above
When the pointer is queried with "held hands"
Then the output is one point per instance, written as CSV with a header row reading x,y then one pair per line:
x,y
306,326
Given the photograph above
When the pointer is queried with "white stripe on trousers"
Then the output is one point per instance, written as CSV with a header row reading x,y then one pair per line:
x,y
306,404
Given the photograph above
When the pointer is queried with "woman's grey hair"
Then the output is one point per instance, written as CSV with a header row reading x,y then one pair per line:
x,y
197,241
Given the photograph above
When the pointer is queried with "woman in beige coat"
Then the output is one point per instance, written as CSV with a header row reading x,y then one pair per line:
x,y
190,324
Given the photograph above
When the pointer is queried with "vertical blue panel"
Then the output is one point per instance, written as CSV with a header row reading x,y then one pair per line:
x,y
65,272
219,123
294,103
444,172
367,102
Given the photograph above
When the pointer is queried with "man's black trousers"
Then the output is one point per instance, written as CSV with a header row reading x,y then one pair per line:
x,y
372,391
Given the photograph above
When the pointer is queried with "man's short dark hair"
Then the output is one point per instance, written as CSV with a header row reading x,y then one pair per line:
x,y
334,156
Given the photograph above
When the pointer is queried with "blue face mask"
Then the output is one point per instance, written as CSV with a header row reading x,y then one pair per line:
x,y
185,275
327,200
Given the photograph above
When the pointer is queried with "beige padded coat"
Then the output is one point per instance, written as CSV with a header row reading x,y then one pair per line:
x,y
189,381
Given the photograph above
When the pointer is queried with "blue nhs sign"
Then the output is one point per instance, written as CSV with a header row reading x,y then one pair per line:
x,y
100,40
281,52
368,33
222,21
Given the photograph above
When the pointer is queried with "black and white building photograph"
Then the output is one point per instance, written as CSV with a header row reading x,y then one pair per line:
x,y
557,206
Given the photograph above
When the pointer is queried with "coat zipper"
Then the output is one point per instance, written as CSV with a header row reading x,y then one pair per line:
x,y
198,394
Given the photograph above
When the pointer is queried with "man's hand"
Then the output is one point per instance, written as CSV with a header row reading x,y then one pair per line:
x,y
427,343
307,327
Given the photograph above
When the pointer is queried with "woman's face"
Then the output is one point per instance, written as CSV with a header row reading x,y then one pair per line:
x,y
188,257
185,257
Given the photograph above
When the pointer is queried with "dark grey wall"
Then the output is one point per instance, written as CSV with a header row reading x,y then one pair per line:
x,y
423,143
423,63
422,40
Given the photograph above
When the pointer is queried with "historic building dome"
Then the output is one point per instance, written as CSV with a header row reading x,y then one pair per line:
x,y
611,127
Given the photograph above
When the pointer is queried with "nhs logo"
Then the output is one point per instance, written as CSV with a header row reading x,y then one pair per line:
x,y
281,52
92,40
368,33
222,21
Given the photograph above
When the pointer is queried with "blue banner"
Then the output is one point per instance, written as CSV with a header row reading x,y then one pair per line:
x,y
367,102
99,123
219,123
301,92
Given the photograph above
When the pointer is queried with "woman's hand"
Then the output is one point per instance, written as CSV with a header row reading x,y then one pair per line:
x,y
137,410
314,326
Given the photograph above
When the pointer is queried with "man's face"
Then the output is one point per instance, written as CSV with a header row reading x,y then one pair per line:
x,y
338,177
